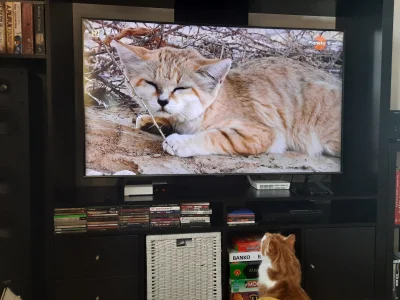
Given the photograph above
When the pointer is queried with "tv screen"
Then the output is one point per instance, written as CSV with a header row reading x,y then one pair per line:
x,y
173,99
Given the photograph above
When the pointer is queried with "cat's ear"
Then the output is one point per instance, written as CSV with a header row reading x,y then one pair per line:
x,y
290,240
215,69
132,58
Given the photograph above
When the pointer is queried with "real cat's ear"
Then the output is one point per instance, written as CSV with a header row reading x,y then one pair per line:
x,y
215,69
131,57
290,240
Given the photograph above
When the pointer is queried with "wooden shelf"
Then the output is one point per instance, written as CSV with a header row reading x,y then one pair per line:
x,y
145,231
234,229
31,56
239,196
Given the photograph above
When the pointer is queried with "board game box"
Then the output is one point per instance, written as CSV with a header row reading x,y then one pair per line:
x,y
235,256
244,270
247,244
244,296
243,285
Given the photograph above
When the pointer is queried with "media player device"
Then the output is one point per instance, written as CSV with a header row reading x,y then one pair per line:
x,y
260,183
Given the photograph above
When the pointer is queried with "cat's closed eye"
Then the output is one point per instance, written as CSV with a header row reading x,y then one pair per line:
x,y
180,88
152,83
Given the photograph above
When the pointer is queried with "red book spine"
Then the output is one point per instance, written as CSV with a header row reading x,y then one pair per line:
x,y
27,28
397,207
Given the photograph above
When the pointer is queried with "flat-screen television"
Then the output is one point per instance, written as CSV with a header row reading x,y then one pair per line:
x,y
174,99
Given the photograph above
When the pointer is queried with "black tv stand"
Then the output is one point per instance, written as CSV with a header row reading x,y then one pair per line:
x,y
318,188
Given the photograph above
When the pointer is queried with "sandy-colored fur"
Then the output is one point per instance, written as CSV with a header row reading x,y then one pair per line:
x,y
280,272
265,105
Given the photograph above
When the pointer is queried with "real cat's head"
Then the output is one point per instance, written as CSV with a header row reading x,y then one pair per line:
x,y
177,83
280,251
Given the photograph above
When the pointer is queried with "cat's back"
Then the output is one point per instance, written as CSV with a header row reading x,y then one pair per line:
x,y
280,68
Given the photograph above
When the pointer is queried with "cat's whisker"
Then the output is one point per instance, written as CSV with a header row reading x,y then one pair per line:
x,y
186,114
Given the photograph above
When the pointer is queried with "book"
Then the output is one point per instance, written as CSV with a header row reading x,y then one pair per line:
x,y
397,274
235,256
195,219
75,230
103,209
70,223
9,27
198,212
195,207
38,18
397,205
69,208
165,220
240,219
395,285
69,211
17,27
3,45
165,213
77,216
70,219
164,208
242,212
133,226
241,223
195,224
27,28
70,226
166,224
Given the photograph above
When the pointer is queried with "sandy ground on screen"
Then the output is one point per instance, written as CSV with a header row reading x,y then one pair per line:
x,y
113,145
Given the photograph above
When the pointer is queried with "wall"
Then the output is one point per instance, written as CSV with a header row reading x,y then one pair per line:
x,y
395,98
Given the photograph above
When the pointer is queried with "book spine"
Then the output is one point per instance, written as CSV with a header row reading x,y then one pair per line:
x,y
202,212
397,207
167,208
195,207
240,223
191,225
394,281
38,16
9,27
17,27
397,280
3,45
27,28
195,219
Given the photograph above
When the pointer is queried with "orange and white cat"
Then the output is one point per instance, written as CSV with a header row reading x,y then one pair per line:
x,y
267,105
279,274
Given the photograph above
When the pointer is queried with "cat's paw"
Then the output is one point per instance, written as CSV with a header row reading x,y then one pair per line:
x,y
179,145
146,123
143,120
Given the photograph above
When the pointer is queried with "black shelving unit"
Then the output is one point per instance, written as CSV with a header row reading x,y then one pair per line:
x,y
365,189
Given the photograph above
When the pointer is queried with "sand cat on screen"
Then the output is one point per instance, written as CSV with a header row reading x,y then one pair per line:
x,y
267,105
279,274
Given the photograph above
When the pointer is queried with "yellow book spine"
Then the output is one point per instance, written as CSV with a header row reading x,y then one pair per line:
x,y
9,27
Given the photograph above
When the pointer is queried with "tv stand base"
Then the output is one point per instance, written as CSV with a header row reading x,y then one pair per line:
x,y
318,189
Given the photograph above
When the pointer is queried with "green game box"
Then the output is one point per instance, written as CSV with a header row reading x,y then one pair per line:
x,y
244,270
244,296
243,285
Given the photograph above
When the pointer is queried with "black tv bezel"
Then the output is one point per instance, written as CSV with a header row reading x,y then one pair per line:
x,y
80,132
